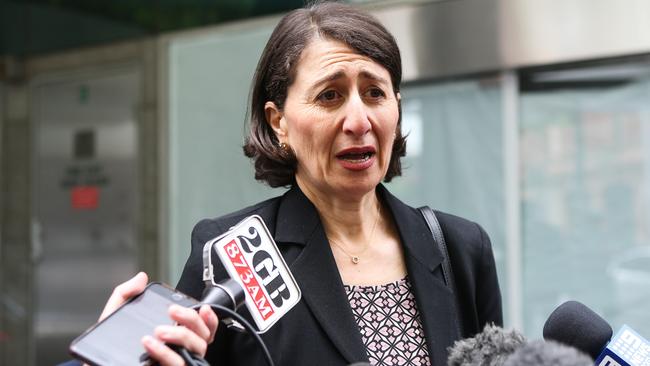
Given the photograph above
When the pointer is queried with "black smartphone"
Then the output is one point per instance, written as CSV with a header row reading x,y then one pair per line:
x,y
116,340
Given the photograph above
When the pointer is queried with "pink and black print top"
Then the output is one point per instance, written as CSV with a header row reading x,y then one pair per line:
x,y
390,325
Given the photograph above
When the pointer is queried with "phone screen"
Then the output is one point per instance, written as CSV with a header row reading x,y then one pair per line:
x,y
117,339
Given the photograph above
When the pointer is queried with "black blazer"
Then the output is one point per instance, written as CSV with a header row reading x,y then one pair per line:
x,y
320,329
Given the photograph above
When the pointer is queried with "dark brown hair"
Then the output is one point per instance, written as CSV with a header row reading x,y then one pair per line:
x,y
277,68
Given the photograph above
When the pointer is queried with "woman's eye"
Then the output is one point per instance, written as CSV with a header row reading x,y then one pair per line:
x,y
375,93
328,96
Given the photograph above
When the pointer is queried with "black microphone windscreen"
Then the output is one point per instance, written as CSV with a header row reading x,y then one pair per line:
x,y
574,324
490,347
550,353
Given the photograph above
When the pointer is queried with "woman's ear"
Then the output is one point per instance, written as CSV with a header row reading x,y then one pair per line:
x,y
398,96
275,119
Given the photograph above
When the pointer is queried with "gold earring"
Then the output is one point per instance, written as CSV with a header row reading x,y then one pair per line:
x,y
285,149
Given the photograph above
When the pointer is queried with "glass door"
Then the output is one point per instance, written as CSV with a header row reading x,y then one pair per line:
x,y
85,201
585,182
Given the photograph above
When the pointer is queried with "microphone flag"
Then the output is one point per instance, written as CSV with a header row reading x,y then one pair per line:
x,y
251,258
627,348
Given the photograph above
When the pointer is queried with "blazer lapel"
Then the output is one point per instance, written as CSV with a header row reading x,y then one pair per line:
x,y
423,259
322,288
317,275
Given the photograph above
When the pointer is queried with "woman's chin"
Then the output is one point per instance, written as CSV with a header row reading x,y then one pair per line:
x,y
352,188
342,185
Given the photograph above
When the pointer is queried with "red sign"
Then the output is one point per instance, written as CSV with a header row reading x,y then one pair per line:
x,y
250,282
85,197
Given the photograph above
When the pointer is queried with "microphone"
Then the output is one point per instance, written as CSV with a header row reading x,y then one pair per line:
x,y
491,347
258,275
495,346
227,293
574,324
255,265
547,353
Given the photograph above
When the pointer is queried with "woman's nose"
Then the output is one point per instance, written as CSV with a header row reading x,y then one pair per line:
x,y
356,120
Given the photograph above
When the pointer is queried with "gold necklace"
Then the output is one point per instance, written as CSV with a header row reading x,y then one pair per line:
x,y
356,258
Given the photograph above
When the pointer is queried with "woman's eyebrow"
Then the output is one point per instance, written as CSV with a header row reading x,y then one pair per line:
x,y
328,79
365,74
372,76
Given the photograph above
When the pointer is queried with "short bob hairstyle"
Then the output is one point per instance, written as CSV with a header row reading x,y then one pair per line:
x,y
276,71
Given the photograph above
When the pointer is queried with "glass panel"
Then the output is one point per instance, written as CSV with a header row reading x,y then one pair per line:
x,y
209,174
454,159
585,145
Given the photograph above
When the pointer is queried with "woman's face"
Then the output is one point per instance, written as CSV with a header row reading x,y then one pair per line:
x,y
340,119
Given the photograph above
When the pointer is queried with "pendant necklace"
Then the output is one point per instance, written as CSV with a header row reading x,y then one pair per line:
x,y
356,258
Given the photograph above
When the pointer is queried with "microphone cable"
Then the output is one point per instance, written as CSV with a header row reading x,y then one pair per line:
x,y
195,360
224,298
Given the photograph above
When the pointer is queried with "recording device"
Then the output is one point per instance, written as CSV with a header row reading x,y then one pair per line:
x,y
490,347
547,353
116,340
259,277
576,325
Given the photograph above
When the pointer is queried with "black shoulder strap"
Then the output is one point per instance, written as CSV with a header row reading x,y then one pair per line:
x,y
439,238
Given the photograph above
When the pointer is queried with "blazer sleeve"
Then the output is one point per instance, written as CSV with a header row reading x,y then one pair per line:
x,y
191,283
474,268
488,293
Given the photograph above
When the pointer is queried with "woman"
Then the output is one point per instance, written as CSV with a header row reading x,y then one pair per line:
x,y
325,121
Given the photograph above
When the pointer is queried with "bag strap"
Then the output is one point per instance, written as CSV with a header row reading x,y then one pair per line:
x,y
448,275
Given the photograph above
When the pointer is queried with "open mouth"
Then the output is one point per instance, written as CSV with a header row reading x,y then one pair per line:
x,y
356,155
356,158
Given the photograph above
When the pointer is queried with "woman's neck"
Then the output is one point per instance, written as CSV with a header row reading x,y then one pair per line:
x,y
347,220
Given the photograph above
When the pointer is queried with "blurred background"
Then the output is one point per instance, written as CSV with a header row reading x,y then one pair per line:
x,y
121,126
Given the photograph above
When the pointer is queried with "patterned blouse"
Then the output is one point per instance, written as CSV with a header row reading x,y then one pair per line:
x,y
390,325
